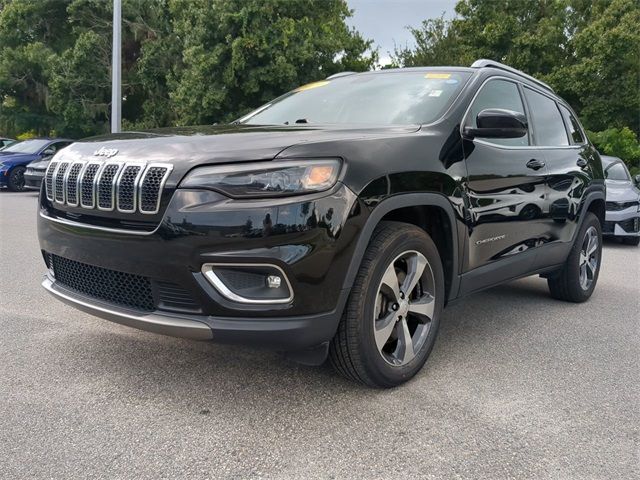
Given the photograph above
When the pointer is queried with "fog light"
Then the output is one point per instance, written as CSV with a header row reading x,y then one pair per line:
x,y
274,281
249,283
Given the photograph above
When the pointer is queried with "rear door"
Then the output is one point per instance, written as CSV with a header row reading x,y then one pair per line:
x,y
559,136
505,193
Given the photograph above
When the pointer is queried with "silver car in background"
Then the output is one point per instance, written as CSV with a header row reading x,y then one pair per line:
x,y
623,202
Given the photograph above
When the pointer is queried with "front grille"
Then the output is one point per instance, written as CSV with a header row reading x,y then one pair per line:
x,y
126,187
618,206
126,289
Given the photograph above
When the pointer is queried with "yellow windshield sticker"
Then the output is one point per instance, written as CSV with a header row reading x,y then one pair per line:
x,y
309,86
443,76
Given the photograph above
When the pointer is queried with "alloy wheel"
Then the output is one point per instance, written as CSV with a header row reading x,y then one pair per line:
x,y
405,305
589,258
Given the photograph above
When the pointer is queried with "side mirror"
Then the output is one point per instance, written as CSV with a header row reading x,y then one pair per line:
x,y
48,152
498,123
636,179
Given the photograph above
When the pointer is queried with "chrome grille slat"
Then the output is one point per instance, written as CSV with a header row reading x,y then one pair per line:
x,y
71,183
106,186
126,187
86,182
48,176
151,186
58,182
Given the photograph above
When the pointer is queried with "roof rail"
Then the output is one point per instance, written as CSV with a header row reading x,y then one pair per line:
x,y
340,74
483,62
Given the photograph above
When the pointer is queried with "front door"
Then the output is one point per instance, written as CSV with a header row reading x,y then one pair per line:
x,y
506,194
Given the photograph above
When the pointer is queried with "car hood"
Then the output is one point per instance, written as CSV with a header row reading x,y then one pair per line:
x,y
40,164
618,191
9,158
186,147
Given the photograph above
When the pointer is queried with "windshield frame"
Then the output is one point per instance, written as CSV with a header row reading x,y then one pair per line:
x,y
399,71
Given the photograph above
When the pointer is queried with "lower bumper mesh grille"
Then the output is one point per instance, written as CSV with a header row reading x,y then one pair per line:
x,y
121,288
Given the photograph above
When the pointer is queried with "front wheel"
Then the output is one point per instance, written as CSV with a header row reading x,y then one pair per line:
x,y
391,319
576,280
16,179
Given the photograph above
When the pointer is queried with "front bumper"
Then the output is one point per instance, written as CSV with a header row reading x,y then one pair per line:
x,y
33,179
624,223
311,240
285,333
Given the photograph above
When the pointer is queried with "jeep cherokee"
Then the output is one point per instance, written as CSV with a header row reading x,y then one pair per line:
x,y
337,220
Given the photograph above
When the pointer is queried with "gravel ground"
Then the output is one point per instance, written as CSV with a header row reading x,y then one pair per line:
x,y
518,386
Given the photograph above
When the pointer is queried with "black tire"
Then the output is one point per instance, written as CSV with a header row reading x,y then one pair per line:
x,y
353,351
566,283
635,241
16,179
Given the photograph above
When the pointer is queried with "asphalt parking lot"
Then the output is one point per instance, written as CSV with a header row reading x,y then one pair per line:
x,y
518,386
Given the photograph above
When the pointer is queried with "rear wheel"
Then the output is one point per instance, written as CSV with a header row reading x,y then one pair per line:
x,y
577,279
632,241
391,320
16,179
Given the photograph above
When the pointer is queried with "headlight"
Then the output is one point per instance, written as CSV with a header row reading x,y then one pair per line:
x,y
266,179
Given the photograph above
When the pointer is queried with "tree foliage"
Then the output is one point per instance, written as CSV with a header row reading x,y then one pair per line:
x,y
619,142
588,50
184,61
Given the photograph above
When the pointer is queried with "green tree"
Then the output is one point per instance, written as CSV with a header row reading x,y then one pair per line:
x,y
184,61
587,50
239,55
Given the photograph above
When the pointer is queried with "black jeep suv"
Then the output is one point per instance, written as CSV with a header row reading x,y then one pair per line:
x,y
337,220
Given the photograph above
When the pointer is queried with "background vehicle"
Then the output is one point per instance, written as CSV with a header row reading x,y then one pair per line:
x,y
337,220
15,158
623,202
5,142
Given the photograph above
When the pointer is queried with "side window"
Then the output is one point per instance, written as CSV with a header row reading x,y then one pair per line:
x,y
498,94
548,126
575,132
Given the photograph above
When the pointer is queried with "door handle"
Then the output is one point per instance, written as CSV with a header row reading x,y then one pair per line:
x,y
582,162
535,164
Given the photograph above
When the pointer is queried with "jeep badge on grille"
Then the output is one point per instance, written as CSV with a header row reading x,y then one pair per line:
x,y
106,152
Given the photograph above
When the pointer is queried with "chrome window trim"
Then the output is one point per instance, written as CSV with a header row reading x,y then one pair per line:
x,y
207,270
66,182
93,183
169,168
136,184
113,185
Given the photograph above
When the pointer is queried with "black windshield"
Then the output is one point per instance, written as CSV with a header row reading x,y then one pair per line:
x,y
391,98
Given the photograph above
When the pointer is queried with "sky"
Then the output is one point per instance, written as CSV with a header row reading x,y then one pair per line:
x,y
385,21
